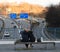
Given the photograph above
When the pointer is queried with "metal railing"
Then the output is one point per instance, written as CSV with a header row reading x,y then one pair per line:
x,y
54,33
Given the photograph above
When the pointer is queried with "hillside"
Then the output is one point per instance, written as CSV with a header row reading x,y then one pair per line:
x,y
21,8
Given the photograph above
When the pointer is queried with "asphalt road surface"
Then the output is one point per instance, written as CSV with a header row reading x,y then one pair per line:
x,y
14,33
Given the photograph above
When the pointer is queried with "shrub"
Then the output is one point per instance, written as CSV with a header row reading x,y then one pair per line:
x,y
53,16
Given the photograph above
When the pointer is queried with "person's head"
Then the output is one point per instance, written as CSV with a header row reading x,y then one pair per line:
x,y
27,29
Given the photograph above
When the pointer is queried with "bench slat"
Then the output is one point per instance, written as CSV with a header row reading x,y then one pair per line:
x,y
35,43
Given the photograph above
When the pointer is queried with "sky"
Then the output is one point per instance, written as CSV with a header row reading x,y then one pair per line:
x,y
38,2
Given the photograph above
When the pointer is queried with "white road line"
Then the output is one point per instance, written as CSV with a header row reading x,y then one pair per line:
x,y
56,41
7,42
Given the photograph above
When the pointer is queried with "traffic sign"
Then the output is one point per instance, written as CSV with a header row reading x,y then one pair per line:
x,y
13,15
24,15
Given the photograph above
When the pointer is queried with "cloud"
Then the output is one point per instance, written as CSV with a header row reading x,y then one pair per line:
x,y
39,2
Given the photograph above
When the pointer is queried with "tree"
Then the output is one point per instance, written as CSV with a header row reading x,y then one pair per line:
x,y
53,16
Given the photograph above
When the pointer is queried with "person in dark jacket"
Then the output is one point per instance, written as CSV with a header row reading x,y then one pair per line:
x,y
27,36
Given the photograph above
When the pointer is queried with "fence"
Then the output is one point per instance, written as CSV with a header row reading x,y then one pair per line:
x,y
53,33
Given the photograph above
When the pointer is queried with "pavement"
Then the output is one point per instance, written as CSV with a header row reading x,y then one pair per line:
x,y
22,48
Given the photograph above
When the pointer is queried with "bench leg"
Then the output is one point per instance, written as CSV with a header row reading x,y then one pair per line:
x,y
17,42
54,44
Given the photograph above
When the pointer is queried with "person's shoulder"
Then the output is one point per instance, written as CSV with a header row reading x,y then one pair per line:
x,y
22,32
30,31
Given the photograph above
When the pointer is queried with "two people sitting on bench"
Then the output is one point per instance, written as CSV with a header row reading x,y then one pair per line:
x,y
27,36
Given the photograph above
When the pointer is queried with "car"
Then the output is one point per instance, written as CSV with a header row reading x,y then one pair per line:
x,y
43,21
12,23
14,27
6,34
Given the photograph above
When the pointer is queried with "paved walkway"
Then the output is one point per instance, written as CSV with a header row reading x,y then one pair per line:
x,y
37,48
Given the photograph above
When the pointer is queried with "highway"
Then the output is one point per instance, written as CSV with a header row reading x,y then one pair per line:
x,y
1,27
10,28
38,30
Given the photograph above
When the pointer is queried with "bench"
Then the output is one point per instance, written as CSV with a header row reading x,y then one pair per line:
x,y
45,45
42,42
